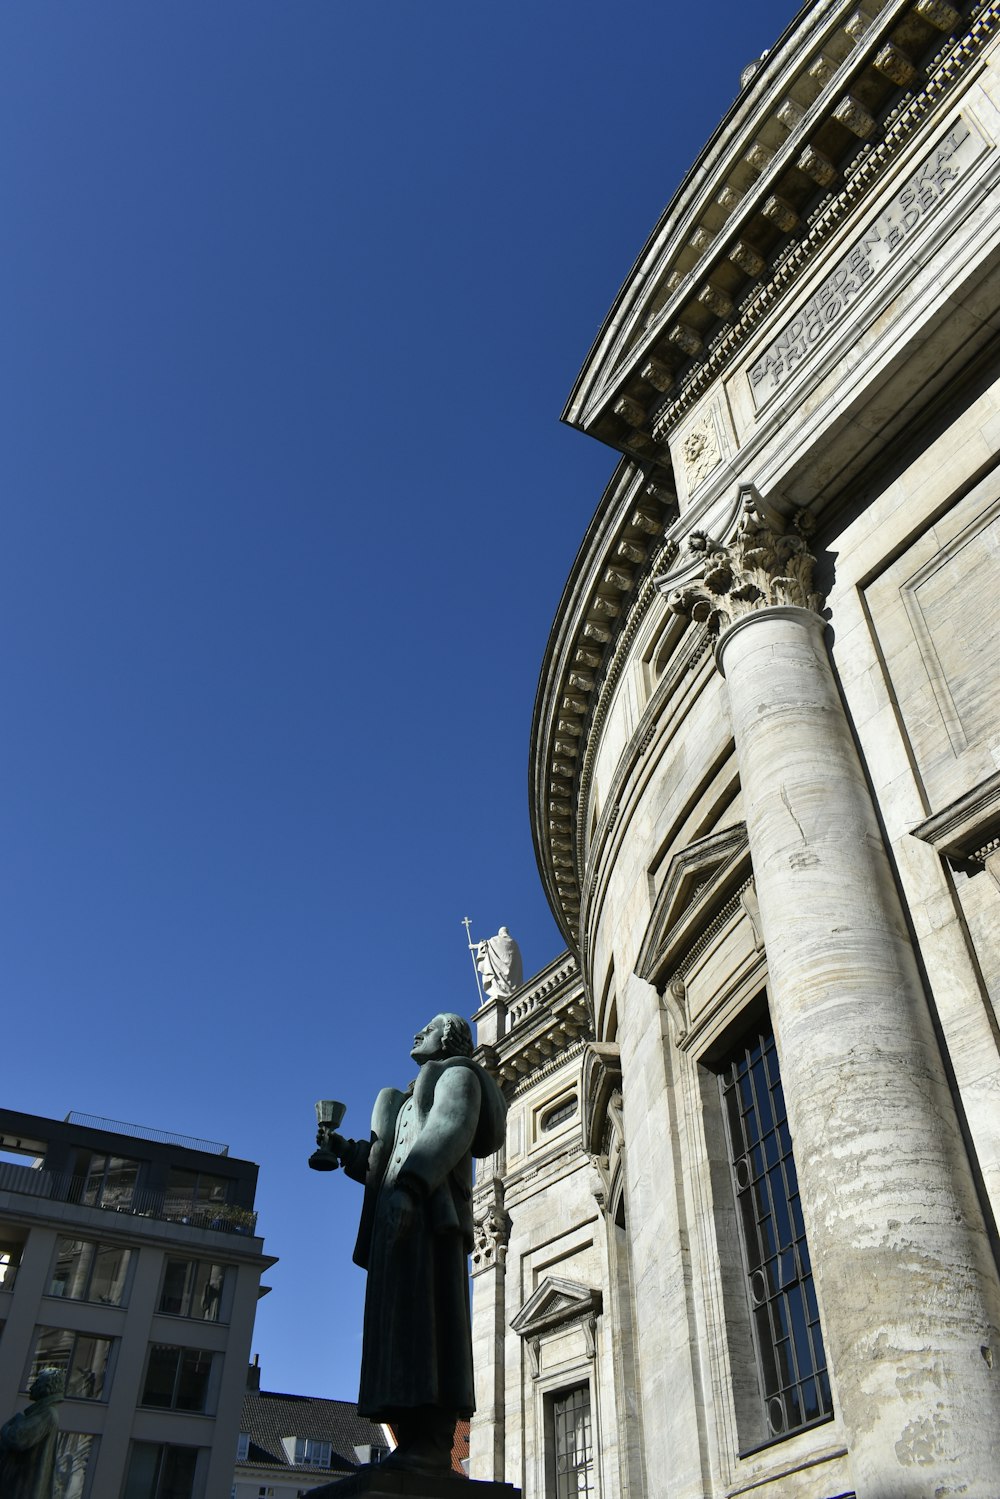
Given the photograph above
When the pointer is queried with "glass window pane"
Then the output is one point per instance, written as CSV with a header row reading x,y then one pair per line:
x,y
181,1188
192,1288
72,1269
192,1385
572,1443
212,1188
53,1350
119,1182
73,1449
107,1280
790,1354
143,1471
88,1368
177,1476
207,1298
161,1375
94,1180
174,1297
10,1258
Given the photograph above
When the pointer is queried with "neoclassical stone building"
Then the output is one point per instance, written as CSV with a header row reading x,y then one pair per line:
x,y
759,1255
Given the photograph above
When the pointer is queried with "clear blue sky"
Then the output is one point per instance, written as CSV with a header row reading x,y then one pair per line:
x,y
291,298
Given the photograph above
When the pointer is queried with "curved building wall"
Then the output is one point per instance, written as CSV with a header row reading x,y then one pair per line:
x,y
766,782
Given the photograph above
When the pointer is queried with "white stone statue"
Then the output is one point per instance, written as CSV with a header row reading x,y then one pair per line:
x,y
499,961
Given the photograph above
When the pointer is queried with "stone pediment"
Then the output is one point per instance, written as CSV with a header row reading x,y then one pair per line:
x,y
554,1302
698,880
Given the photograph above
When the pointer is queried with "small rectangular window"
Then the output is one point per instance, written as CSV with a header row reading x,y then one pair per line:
x,y
74,1452
192,1288
242,1446
791,1361
157,1471
109,1181
315,1453
83,1359
194,1193
572,1468
177,1378
87,1271
10,1258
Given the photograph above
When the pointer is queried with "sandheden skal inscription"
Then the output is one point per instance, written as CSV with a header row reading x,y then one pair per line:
x,y
874,249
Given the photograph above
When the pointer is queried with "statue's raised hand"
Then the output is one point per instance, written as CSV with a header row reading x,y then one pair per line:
x,y
331,1150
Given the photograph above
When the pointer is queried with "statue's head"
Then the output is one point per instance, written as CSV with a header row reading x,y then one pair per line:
x,y
447,1035
48,1384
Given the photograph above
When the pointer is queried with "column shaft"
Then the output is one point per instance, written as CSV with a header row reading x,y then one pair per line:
x,y
908,1287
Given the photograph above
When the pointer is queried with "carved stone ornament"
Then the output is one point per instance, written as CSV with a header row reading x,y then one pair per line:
x,y
491,1230
701,453
767,562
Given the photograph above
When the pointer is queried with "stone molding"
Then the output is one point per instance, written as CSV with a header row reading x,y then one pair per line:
x,y
601,1076
683,331
767,563
555,1303
517,1081
628,529
968,829
686,910
873,160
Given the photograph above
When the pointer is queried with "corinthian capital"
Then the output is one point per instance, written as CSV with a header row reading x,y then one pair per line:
x,y
767,562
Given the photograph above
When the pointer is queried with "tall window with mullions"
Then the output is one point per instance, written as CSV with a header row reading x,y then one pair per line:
x,y
573,1447
792,1364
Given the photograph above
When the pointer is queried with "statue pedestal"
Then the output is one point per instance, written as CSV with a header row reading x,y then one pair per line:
x,y
374,1482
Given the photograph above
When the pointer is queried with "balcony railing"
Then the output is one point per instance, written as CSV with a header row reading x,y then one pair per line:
x,y
144,1132
62,1186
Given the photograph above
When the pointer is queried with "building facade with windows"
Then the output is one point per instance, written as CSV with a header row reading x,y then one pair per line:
x,y
766,809
129,1259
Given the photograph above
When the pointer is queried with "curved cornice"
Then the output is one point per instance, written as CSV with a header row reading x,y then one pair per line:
x,y
823,116
832,89
622,550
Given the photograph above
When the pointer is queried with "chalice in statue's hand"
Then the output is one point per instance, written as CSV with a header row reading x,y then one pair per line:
x,y
329,1114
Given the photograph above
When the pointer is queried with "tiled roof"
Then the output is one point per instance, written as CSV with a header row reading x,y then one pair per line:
x,y
269,1416
460,1446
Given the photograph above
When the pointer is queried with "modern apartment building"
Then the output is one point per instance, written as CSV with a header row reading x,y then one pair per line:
x,y
129,1259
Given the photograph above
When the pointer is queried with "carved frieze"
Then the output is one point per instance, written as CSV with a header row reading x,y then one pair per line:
x,y
876,248
767,562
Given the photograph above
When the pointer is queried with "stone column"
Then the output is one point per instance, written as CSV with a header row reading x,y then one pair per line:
x,y
908,1289
489,1331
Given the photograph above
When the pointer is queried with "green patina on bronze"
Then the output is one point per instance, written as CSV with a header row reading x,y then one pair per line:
x,y
415,1235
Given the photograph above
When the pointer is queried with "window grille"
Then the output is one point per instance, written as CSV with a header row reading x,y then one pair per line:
x,y
573,1444
559,1113
784,1314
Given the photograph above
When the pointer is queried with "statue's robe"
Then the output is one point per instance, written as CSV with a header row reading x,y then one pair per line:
x,y
417,1348
28,1453
500,964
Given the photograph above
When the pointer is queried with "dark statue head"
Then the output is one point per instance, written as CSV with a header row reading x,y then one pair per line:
x,y
457,1036
48,1383
447,1035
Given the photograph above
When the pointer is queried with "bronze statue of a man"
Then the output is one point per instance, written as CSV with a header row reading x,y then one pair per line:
x,y
28,1442
415,1236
